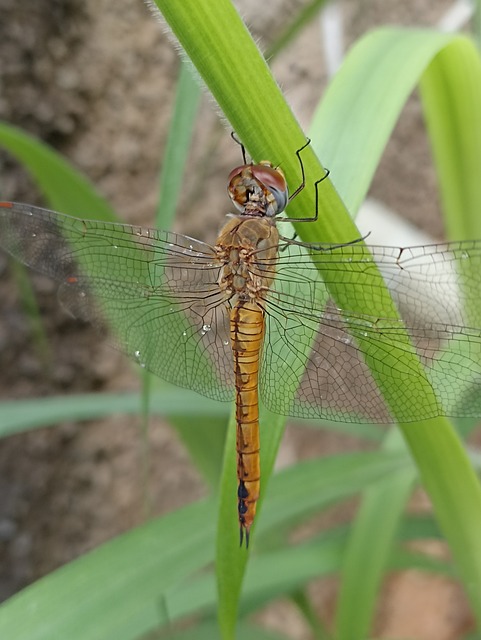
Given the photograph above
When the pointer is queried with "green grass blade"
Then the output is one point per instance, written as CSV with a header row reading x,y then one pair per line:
x,y
273,575
18,416
357,114
350,130
230,64
204,439
226,57
146,574
177,148
203,434
415,526
451,95
117,591
287,502
65,188
369,547
328,480
404,560
210,631
231,560
302,601
145,411
143,579
303,18
32,312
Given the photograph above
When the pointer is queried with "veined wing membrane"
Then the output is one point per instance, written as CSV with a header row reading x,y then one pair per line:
x,y
156,290
160,294
437,290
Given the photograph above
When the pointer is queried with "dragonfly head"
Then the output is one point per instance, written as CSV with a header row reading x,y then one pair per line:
x,y
258,189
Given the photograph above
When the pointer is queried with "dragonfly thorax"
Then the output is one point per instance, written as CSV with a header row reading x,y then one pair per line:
x,y
258,190
247,247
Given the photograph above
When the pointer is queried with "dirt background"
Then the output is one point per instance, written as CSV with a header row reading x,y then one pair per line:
x,y
96,81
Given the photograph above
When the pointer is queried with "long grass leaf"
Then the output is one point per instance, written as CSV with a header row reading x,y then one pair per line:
x,y
225,56
16,416
350,130
204,438
146,578
178,144
370,545
118,590
64,188
451,95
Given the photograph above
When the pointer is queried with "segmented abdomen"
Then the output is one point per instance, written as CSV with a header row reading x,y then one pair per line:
x,y
247,332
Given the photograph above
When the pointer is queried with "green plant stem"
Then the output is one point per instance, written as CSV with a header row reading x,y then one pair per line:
x,y
231,66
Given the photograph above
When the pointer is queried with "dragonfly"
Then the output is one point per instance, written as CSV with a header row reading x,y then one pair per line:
x,y
258,313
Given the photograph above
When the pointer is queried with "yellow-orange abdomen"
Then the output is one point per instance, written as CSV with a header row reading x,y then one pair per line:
x,y
247,332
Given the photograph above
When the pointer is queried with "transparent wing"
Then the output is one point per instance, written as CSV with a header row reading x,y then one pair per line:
x,y
437,289
157,291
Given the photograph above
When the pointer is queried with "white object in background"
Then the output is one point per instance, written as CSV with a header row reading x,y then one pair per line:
x,y
456,16
332,36
385,227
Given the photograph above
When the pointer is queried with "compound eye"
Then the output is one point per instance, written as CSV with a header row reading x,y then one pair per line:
x,y
237,172
269,176
273,181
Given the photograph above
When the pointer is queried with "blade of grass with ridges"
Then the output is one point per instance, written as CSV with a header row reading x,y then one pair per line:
x,y
302,19
451,96
67,190
204,438
227,59
64,188
370,546
135,583
187,98
17,416
352,152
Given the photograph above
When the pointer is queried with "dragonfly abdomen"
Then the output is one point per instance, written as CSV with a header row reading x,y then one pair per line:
x,y
247,332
